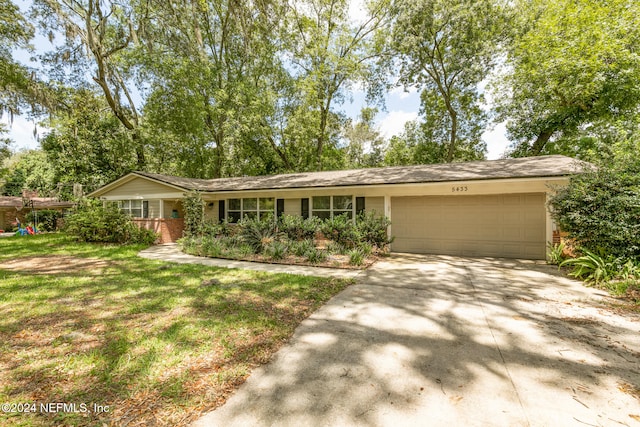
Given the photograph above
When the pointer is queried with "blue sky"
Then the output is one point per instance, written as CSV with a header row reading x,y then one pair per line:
x,y
401,106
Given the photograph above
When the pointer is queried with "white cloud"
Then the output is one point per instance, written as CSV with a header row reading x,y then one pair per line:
x,y
496,140
393,122
401,93
21,132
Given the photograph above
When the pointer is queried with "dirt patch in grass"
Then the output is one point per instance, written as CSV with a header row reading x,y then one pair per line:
x,y
57,264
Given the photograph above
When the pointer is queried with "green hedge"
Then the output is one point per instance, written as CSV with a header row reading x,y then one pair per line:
x,y
93,222
601,210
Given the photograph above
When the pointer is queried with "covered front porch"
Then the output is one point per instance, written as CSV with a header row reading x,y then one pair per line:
x,y
163,216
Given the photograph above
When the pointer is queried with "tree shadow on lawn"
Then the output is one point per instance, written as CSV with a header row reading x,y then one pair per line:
x,y
449,341
159,347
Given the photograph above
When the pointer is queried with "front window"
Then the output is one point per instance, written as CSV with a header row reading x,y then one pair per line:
x,y
249,208
325,207
322,207
134,208
267,206
343,205
262,208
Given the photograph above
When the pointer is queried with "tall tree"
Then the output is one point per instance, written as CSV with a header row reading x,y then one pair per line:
x,y
573,66
417,145
329,54
5,151
87,144
20,88
29,170
365,145
208,61
446,48
99,35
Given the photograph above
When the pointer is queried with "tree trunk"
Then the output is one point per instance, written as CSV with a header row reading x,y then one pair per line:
x,y
454,133
321,138
139,144
283,156
540,142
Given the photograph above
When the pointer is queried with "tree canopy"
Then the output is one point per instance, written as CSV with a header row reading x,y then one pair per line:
x,y
446,48
573,71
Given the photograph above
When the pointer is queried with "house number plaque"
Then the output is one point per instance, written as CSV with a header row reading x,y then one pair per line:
x,y
459,189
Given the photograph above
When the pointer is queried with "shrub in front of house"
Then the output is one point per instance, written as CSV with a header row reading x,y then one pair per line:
x,y
194,222
315,255
336,248
291,237
600,209
372,228
276,250
356,256
211,246
93,222
341,230
365,247
298,228
219,229
301,247
257,233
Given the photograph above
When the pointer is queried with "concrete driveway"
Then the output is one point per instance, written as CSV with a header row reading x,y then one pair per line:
x,y
446,341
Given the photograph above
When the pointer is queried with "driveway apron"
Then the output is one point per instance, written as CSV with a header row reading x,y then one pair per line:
x,y
447,341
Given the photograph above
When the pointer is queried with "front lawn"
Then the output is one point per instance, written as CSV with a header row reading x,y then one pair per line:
x,y
148,342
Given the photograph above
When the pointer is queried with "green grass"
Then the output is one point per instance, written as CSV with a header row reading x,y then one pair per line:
x,y
158,343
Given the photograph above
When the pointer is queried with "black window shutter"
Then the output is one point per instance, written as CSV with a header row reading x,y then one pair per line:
x,y
279,207
145,209
304,208
221,210
359,205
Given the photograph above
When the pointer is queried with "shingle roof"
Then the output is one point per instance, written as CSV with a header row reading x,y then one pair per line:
x,y
526,167
38,202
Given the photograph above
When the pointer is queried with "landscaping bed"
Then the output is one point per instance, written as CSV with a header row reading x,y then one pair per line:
x,y
149,342
338,242
318,257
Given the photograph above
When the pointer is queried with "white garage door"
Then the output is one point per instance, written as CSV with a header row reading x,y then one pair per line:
x,y
509,225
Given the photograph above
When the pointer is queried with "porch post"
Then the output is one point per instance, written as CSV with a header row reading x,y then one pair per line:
x,y
161,208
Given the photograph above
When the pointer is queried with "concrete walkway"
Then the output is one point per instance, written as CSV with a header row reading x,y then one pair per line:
x,y
445,341
171,252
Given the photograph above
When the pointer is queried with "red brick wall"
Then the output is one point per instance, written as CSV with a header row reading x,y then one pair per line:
x,y
170,229
559,236
9,217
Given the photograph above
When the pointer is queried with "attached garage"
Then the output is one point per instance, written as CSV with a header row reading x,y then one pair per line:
x,y
500,225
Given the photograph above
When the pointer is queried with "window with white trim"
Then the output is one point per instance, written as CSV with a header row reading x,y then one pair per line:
x,y
325,207
262,208
134,208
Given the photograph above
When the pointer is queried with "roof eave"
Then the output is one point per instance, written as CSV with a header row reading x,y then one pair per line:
x,y
233,190
129,177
